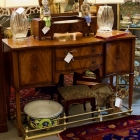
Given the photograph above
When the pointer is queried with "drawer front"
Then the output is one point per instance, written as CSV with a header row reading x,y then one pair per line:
x,y
35,67
60,28
78,27
78,63
118,56
79,51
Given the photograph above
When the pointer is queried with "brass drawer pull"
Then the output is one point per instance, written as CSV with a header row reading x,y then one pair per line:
x,y
35,67
94,50
94,61
118,57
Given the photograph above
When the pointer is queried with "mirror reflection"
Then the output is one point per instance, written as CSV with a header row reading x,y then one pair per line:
x,y
66,6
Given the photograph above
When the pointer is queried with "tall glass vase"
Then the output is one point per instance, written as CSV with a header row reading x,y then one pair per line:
x,y
105,19
19,26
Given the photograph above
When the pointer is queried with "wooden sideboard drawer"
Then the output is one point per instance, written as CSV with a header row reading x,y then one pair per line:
x,y
76,27
79,51
61,65
60,27
35,67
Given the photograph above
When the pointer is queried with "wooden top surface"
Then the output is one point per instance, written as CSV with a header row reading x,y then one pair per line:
x,y
80,40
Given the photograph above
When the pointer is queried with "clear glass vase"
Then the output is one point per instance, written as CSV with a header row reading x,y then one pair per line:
x,y
105,19
19,25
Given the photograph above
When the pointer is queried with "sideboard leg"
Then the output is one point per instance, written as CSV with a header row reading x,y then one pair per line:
x,y
18,113
131,79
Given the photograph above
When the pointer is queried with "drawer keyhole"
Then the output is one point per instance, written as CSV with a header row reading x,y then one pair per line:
x,y
118,57
66,65
94,61
94,50
35,67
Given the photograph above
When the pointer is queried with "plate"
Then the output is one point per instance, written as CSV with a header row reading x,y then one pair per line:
x,y
125,22
137,53
135,25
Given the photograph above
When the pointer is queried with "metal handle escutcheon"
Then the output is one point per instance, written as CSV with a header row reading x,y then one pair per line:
x,y
118,57
35,67
94,61
94,49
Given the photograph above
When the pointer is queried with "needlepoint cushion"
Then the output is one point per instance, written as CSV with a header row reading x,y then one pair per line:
x,y
76,92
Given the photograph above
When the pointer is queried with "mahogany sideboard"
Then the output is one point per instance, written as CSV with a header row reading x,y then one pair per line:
x,y
39,63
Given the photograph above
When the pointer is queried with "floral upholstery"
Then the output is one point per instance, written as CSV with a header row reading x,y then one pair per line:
x,y
99,91
102,91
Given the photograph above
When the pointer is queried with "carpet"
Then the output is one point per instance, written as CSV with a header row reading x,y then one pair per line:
x,y
125,128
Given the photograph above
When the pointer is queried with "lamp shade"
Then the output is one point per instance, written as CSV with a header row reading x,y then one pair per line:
x,y
109,1
18,3
59,1
91,1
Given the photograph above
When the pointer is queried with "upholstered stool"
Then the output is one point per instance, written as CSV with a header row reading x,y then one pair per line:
x,y
77,94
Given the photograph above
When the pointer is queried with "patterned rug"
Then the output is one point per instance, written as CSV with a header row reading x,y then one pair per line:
x,y
126,128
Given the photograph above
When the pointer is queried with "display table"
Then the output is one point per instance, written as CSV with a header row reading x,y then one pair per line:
x,y
37,63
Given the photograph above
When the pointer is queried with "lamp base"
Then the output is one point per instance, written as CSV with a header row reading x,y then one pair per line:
x,y
22,39
19,26
104,30
105,19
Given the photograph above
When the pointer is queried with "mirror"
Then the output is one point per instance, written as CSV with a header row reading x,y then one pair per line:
x,y
65,6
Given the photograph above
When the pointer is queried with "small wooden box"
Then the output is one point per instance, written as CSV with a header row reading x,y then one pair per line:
x,y
36,29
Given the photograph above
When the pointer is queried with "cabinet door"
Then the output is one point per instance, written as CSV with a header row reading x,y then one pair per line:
x,y
35,67
118,57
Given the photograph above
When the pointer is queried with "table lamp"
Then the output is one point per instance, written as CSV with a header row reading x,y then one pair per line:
x,y
105,15
18,21
58,4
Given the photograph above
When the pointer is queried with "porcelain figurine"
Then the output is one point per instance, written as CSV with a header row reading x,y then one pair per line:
x,y
75,7
85,9
45,13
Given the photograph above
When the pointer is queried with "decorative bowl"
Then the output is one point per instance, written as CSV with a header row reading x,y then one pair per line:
x,y
43,113
136,19
125,23
126,18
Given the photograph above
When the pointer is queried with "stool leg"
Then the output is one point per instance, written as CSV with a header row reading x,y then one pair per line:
x,y
66,107
93,106
84,105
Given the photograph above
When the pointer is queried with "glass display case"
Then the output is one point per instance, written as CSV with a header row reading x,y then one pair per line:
x,y
128,15
128,18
